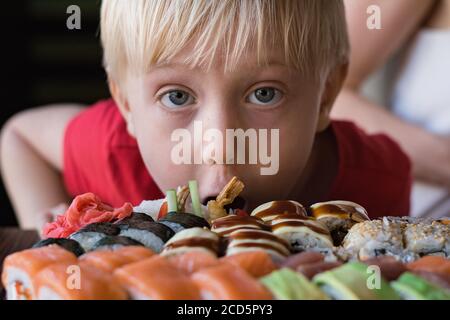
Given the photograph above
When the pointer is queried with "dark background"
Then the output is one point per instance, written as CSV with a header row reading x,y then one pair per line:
x,y
44,62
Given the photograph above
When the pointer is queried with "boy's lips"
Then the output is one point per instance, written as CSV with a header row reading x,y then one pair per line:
x,y
238,203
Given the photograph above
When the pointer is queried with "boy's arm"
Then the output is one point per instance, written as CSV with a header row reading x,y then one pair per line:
x,y
31,161
430,154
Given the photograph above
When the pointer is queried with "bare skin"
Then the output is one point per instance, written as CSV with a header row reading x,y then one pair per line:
x,y
35,137
401,19
31,161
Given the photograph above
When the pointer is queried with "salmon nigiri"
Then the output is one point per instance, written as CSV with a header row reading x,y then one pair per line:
x,y
79,281
20,268
156,278
431,264
226,282
109,260
257,263
193,261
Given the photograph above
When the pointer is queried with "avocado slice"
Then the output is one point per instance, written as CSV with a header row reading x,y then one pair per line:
x,y
286,284
351,282
412,287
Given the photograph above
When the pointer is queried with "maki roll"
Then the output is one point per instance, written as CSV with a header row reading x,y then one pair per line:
x,y
424,238
156,278
193,239
193,261
412,287
135,217
225,225
257,263
68,244
180,221
374,238
270,210
286,284
339,217
303,233
89,235
350,282
150,208
226,282
109,260
52,284
114,242
153,235
20,268
247,240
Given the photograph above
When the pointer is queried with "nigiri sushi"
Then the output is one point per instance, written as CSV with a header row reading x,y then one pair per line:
x,y
89,235
350,282
63,281
309,270
225,225
412,287
193,261
109,260
303,233
247,240
156,278
286,284
151,234
390,267
20,268
226,282
256,263
431,264
68,244
298,259
270,210
193,239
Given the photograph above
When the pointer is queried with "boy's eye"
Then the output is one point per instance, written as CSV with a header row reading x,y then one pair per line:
x,y
176,98
265,96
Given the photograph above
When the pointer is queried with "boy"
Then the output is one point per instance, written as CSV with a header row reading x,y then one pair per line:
x,y
228,64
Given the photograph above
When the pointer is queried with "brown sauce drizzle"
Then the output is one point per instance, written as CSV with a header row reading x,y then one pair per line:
x,y
281,207
210,244
300,224
262,246
231,221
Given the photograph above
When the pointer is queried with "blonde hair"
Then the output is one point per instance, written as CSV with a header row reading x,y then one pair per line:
x,y
138,34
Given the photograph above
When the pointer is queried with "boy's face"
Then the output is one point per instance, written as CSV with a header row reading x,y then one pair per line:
x,y
172,96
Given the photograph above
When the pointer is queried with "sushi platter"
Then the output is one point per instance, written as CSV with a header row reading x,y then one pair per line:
x,y
178,248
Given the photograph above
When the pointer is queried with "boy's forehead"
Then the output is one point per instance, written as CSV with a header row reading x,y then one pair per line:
x,y
273,57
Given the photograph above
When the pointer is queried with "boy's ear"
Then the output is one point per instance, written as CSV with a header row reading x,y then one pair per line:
x,y
333,85
122,104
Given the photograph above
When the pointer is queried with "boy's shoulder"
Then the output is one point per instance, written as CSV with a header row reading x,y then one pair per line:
x,y
373,169
104,117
